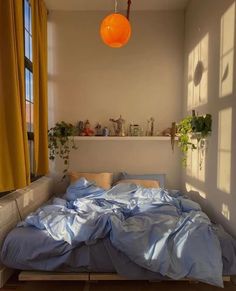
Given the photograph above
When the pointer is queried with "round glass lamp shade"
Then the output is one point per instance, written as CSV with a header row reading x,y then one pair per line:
x,y
115,30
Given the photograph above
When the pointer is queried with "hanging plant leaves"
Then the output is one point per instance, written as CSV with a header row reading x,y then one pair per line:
x,y
191,127
60,142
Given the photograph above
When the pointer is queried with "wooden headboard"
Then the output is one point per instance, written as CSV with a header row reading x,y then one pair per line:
x,y
16,206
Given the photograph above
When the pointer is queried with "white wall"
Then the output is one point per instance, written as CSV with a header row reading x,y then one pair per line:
x,y
88,80
210,35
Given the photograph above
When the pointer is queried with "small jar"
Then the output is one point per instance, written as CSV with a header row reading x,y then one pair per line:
x,y
134,130
105,131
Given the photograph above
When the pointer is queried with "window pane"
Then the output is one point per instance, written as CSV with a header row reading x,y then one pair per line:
x,y
30,48
27,15
31,153
31,87
28,30
27,93
29,116
27,110
27,44
30,20
28,85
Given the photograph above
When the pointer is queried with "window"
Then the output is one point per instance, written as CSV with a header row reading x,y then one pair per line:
x,y
29,98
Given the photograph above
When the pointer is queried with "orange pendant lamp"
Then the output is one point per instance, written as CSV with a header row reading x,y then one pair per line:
x,y
115,29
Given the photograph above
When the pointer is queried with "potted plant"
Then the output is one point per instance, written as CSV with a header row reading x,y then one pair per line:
x,y
61,141
190,128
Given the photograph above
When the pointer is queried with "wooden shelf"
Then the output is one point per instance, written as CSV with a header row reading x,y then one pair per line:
x,y
120,138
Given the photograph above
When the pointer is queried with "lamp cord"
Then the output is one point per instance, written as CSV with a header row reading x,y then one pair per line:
x,y
128,8
116,5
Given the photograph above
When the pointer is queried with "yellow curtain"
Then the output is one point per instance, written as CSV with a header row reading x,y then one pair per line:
x,y
14,157
39,35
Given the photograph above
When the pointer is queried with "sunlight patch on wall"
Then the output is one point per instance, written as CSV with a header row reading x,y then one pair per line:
x,y
190,187
196,163
198,74
224,150
225,211
227,52
28,199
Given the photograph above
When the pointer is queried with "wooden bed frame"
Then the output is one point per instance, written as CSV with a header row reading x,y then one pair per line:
x,y
55,276
15,207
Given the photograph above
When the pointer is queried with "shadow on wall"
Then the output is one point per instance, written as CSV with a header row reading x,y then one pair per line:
x,y
198,90
211,186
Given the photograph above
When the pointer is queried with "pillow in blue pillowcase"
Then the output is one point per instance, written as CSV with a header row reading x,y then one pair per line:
x,y
156,177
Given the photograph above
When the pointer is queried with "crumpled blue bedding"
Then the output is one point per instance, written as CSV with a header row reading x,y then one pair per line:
x,y
159,230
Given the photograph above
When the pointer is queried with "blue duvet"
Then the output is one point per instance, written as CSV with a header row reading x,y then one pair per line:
x,y
157,229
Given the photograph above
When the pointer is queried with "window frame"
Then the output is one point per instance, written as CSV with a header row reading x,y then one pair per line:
x,y
28,65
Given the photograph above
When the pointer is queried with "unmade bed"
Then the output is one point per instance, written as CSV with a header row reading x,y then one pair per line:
x,y
32,249
42,243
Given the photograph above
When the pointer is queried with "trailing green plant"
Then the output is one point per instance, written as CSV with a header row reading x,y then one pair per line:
x,y
201,125
61,141
193,127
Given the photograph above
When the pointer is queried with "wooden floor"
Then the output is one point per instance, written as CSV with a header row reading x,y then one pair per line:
x,y
13,284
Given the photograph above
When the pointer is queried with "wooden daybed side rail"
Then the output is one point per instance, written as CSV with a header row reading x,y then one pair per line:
x,y
55,276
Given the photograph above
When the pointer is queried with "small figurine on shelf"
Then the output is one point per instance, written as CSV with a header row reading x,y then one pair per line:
x,y
171,131
166,132
119,126
134,130
80,127
173,134
150,127
105,131
98,130
87,131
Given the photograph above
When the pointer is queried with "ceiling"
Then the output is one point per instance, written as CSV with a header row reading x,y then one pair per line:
x,y
97,5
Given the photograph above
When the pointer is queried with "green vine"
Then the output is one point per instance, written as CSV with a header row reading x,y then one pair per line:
x,y
61,141
202,125
198,127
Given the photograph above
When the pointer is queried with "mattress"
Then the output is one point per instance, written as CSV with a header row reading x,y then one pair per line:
x,y
28,248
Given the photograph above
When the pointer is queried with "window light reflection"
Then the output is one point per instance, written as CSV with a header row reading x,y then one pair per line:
x,y
196,163
224,150
225,211
227,52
